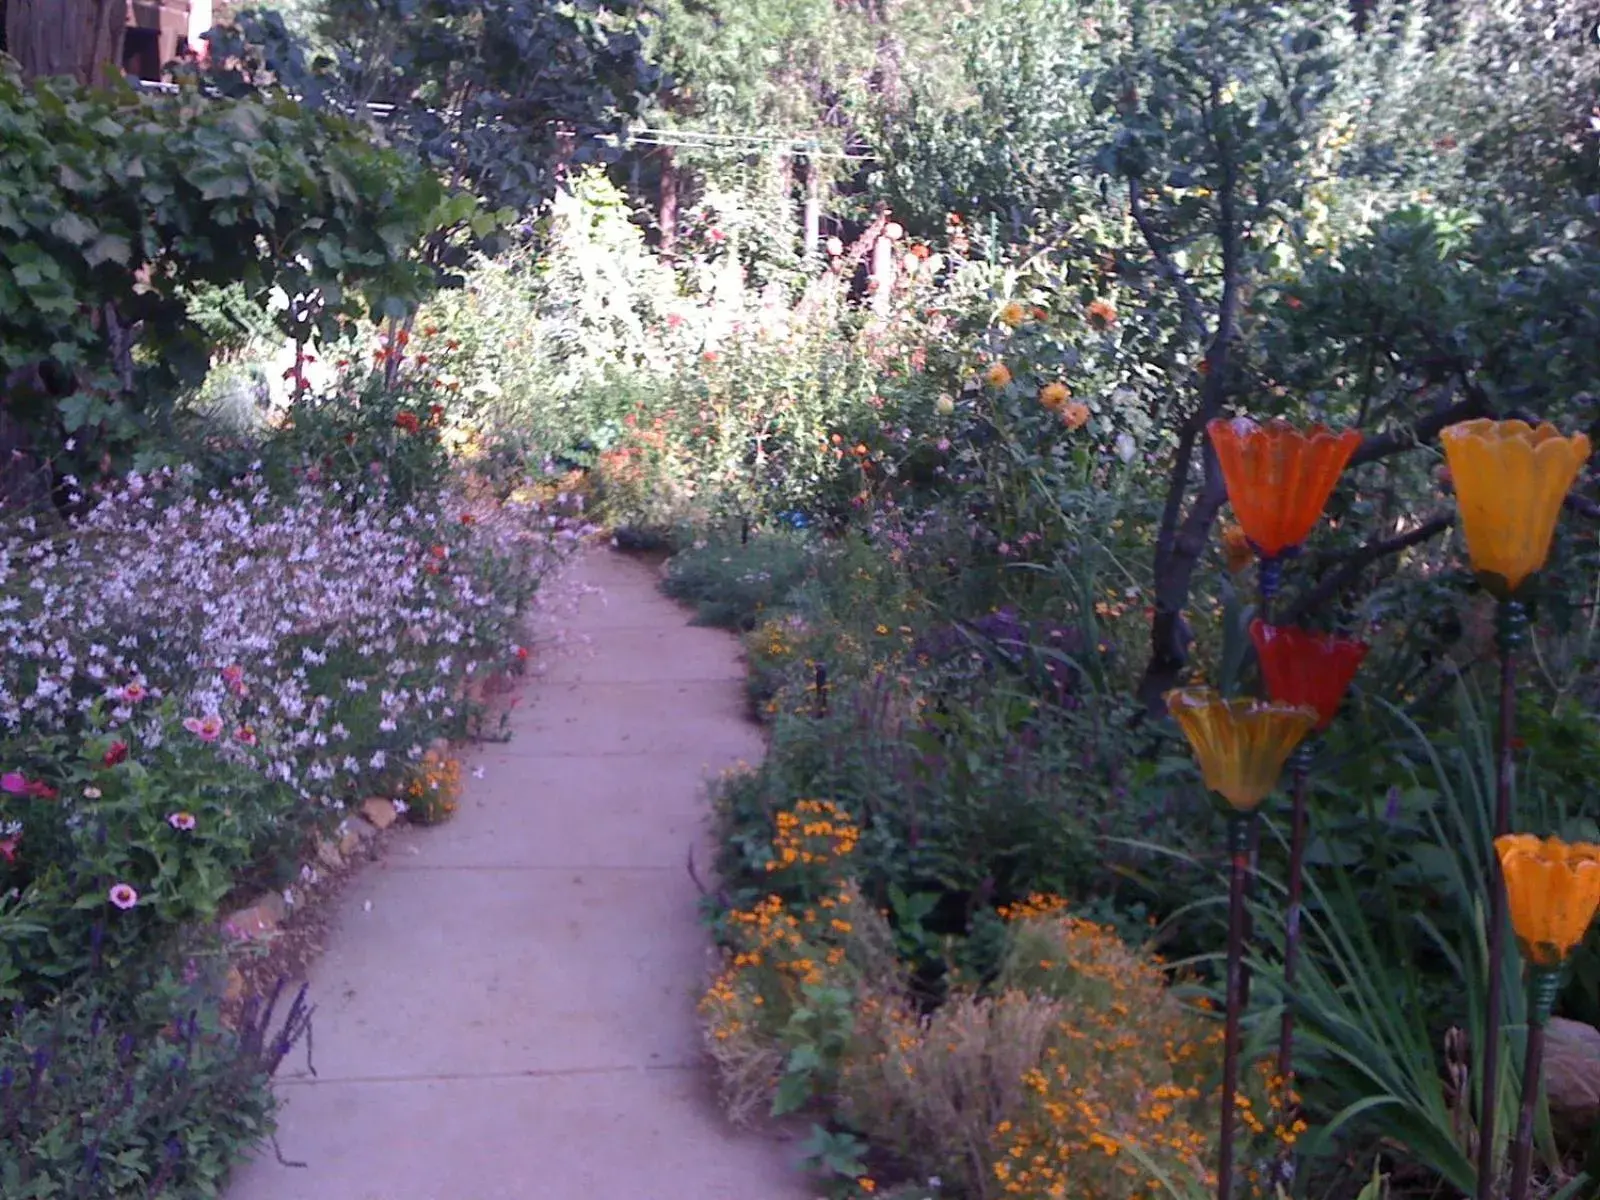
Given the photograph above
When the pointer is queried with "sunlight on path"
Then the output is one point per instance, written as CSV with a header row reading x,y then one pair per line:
x,y
506,1004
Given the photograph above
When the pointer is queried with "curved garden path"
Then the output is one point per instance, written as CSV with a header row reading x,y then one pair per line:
x,y
505,1006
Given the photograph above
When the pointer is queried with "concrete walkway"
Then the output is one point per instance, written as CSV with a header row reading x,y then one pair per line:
x,y
506,1003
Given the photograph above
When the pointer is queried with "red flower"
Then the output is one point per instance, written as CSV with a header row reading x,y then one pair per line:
x,y
8,849
118,753
522,653
40,790
407,421
1312,669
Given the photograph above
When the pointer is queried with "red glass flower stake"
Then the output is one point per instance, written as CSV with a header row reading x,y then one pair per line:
x,y
1279,479
1313,670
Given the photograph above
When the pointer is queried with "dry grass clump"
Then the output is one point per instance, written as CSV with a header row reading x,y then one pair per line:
x,y
932,1090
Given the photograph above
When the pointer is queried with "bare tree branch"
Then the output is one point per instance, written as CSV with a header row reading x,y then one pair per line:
x,y
1363,557
1161,249
1425,430
1582,506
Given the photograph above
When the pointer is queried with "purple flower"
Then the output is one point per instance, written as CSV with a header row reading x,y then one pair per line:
x,y
13,782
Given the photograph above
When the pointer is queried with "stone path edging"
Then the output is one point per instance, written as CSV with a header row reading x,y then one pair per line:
x,y
505,1007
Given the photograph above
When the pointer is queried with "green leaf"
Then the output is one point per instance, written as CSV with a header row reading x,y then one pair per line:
x,y
70,227
108,247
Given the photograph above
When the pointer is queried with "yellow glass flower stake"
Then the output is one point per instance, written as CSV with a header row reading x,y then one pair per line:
x,y
1552,889
1510,479
1242,746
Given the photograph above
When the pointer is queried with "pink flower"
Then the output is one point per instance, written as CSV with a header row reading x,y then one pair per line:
x,y
181,820
13,782
134,692
123,896
8,848
207,729
244,735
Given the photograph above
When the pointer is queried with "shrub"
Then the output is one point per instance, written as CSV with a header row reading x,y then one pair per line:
x,y
154,1099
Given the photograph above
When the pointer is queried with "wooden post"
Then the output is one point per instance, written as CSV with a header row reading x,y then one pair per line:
x,y
667,219
80,38
812,213
882,274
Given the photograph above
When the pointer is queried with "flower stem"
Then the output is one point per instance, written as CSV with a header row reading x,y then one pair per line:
x,y
1239,830
1269,575
1541,998
1291,932
1510,624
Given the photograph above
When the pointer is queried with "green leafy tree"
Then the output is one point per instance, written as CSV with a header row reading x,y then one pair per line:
x,y
501,97
116,206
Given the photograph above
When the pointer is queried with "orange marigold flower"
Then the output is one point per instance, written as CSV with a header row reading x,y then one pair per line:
x,y
998,375
1013,314
1102,314
1236,548
1075,415
1054,396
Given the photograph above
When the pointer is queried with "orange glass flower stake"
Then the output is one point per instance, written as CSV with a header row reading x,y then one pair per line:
x,y
1279,479
1510,479
1552,889
1242,746
1313,670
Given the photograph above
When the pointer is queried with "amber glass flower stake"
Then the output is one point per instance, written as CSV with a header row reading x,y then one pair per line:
x,y
1242,746
1313,670
1279,479
1552,890
1510,479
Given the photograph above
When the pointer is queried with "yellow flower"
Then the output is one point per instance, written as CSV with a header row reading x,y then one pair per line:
x,y
998,375
1552,890
1013,314
1241,744
1054,396
944,405
1510,479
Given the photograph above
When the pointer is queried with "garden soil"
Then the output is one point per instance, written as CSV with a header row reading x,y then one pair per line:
x,y
506,1002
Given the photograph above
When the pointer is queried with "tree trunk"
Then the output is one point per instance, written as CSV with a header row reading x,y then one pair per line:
x,y
81,39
